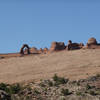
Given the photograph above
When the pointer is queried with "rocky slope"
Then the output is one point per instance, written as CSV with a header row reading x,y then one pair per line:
x,y
64,75
76,64
56,88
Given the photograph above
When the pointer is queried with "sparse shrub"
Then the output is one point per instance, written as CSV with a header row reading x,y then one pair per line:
x,y
3,86
65,92
50,83
92,93
36,91
59,80
45,83
45,89
14,89
78,93
10,89
55,77
88,87
42,84
78,83
97,75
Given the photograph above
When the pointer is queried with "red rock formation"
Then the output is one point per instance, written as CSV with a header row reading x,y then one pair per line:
x,y
92,44
74,46
92,41
45,50
33,50
41,50
27,49
56,46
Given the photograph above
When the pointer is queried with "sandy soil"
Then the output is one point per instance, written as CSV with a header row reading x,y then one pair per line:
x,y
71,64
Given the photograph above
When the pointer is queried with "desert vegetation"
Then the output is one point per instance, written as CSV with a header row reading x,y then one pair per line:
x,y
56,88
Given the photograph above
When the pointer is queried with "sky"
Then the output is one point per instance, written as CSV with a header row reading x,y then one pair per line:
x,y
40,22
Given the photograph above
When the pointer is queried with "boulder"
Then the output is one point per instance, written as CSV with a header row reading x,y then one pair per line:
x,y
92,41
56,46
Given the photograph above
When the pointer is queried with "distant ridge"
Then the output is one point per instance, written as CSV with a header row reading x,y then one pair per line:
x,y
58,46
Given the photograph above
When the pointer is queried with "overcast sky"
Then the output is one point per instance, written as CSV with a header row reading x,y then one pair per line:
x,y
39,22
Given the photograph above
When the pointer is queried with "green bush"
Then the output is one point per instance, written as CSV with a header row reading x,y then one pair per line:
x,y
10,89
3,86
59,80
55,77
14,89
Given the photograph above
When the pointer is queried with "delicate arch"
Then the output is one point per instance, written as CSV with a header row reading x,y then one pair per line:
x,y
22,49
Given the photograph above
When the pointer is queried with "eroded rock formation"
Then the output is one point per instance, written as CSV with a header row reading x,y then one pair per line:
x,y
33,50
45,50
27,49
74,46
56,46
41,50
92,41
92,44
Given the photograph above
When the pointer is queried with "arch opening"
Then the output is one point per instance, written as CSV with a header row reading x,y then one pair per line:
x,y
25,47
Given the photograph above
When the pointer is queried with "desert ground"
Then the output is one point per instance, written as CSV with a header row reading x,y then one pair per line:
x,y
76,64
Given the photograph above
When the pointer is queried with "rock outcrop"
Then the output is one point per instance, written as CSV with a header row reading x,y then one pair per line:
x,y
92,41
33,50
92,44
74,46
40,51
45,50
27,49
56,46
